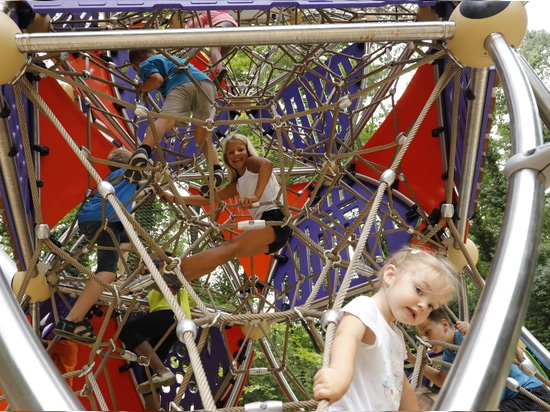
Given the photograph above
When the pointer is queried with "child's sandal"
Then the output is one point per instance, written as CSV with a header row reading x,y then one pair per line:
x,y
66,328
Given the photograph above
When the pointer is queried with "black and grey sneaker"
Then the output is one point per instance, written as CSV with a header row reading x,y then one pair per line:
x,y
139,159
218,180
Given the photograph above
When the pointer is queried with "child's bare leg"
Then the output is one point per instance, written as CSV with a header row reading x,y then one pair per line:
x,y
90,294
73,327
211,157
246,244
151,401
207,147
164,376
156,364
216,57
162,126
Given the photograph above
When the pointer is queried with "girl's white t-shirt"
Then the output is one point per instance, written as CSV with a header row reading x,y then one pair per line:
x,y
379,368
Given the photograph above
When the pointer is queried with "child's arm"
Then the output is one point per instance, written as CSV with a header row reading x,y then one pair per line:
x,y
333,382
153,82
409,402
225,192
264,168
437,376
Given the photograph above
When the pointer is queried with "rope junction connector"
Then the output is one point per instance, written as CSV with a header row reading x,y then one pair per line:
x,y
330,316
184,326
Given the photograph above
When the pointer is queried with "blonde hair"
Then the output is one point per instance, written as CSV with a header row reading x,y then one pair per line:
x,y
408,256
120,155
249,147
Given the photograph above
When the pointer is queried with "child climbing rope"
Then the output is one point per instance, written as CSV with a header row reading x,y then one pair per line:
x,y
182,96
366,371
92,217
215,18
150,331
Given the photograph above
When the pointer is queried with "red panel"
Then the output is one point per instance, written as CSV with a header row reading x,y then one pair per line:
x,y
98,69
65,178
422,164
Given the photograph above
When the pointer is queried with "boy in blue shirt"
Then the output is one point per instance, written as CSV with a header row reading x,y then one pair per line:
x,y
95,214
439,327
182,96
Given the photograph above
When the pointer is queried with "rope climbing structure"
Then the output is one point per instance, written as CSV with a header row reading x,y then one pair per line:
x,y
376,134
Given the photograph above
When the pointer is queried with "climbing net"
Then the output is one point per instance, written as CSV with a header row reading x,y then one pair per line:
x,y
356,172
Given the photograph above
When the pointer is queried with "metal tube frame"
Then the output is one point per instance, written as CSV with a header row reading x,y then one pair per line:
x,y
237,36
477,378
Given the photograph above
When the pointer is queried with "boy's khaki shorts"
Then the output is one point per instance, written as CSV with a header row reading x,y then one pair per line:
x,y
187,98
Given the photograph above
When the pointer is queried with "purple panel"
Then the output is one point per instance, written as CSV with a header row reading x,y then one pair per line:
x,y
315,92
56,6
212,361
20,163
343,202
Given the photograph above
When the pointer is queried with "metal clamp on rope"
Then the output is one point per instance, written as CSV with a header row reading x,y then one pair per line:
x,y
330,316
86,369
143,361
424,342
264,406
105,189
169,268
330,255
299,313
537,159
184,326
277,122
251,224
512,384
214,320
42,231
527,367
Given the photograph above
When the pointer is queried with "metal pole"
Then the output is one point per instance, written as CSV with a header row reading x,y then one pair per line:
x,y
237,36
474,121
477,378
29,379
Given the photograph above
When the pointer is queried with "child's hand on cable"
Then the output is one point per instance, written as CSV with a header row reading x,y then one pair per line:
x,y
329,384
462,326
167,197
248,201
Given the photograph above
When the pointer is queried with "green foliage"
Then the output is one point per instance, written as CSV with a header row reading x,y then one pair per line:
x,y
4,238
302,360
